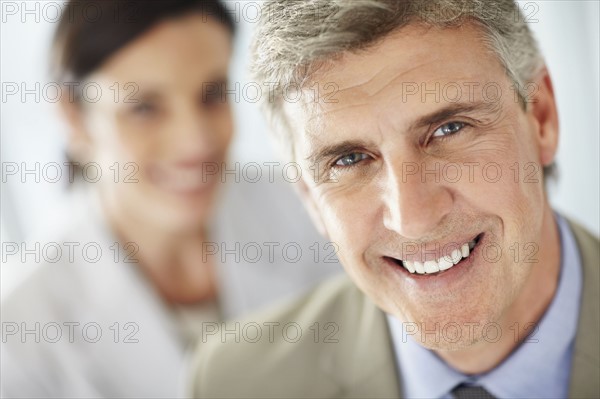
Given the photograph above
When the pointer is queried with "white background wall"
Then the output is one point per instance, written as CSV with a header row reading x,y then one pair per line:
x,y
31,131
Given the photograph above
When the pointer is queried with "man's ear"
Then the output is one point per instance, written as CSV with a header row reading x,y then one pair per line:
x,y
79,144
544,112
311,206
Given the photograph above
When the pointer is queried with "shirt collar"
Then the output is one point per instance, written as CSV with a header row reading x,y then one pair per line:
x,y
538,368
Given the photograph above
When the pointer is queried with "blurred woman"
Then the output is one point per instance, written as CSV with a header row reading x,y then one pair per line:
x,y
153,262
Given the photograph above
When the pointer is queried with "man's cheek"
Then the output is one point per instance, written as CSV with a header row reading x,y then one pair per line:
x,y
344,232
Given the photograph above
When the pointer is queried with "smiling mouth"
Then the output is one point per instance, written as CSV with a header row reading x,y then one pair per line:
x,y
438,266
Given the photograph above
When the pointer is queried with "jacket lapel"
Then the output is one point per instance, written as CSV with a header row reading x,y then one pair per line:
x,y
363,365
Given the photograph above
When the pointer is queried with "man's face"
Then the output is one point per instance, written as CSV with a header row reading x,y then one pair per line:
x,y
425,150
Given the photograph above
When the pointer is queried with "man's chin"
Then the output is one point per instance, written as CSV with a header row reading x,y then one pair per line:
x,y
442,333
431,343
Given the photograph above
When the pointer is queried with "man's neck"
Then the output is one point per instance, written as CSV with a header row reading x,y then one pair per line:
x,y
526,311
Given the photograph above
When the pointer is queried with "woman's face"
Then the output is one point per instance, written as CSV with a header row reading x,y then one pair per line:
x,y
161,127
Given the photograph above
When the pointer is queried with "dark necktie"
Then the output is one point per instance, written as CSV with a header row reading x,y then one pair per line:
x,y
463,391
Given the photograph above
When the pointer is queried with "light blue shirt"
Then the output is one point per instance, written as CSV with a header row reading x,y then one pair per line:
x,y
539,368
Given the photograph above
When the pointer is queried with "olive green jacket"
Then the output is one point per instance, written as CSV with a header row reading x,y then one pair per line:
x,y
335,343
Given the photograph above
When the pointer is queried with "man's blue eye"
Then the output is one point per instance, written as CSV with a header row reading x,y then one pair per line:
x,y
351,159
448,128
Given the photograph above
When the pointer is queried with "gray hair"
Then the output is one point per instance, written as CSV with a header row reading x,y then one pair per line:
x,y
295,38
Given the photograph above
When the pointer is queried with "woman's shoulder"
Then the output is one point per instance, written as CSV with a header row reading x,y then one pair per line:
x,y
51,268
46,273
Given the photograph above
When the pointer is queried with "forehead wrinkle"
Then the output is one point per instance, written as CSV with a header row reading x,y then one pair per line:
x,y
398,76
382,75
363,96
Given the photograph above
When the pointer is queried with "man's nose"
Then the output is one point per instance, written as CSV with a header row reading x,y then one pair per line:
x,y
415,199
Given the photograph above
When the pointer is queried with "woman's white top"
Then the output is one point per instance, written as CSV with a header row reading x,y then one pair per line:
x,y
87,323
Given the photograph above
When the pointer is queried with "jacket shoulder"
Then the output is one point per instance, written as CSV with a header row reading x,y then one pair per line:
x,y
281,352
588,243
586,356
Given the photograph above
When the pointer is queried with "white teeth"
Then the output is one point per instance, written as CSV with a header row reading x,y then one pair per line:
x,y
456,256
431,266
419,267
443,263
464,250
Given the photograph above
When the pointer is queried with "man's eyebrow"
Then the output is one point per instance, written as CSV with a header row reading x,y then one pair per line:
x,y
338,149
445,113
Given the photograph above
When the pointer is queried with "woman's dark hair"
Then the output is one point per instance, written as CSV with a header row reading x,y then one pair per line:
x,y
91,31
